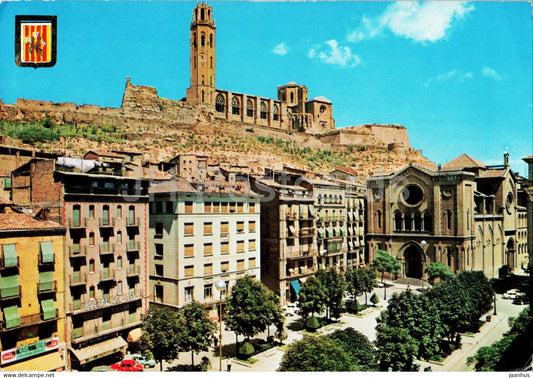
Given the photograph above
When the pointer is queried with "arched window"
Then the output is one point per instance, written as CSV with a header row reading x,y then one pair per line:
x,y
119,237
468,219
276,112
211,62
194,40
211,40
428,222
91,239
263,110
408,222
249,108
292,97
449,257
418,222
235,106
398,221
194,62
119,262
220,104
202,14
448,219
202,39
378,214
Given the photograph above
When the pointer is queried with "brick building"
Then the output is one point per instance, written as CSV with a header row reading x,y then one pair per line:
x,y
464,215
32,293
106,219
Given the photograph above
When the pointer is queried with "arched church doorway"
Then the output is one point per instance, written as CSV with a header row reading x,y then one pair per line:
x,y
413,262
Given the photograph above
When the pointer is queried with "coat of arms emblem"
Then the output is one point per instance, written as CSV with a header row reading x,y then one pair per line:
x,y
35,41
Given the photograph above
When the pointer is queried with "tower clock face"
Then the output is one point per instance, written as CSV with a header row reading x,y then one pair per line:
x,y
203,58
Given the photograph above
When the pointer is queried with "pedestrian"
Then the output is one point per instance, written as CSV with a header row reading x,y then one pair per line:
x,y
229,363
216,341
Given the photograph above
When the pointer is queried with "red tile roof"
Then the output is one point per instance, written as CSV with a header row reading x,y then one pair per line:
x,y
491,173
461,162
16,221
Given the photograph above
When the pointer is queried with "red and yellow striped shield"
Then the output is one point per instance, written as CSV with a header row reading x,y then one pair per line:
x,y
36,42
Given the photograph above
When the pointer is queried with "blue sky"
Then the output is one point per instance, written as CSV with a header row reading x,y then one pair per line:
x,y
457,75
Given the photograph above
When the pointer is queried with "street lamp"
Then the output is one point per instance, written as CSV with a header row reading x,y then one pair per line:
x,y
423,243
220,286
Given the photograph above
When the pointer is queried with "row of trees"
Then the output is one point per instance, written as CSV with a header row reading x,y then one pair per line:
x,y
427,325
342,350
249,309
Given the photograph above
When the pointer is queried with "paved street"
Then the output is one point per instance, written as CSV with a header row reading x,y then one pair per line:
x,y
364,323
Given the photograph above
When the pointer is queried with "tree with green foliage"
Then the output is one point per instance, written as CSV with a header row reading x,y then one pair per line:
x,y
512,351
436,269
316,354
199,329
354,282
396,349
374,299
368,281
163,331
311,297
251,307
480,294
383,262
357,345
334,287
419,316
454,307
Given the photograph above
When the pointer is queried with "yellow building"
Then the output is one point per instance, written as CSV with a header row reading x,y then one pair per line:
x,y
32,292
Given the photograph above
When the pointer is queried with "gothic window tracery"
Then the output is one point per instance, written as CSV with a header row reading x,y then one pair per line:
x,y
263,110
235,106
220,104
276,112
249,108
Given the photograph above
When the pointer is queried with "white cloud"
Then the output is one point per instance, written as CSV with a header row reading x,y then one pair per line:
x,y
336,55
421,21
281,49
449,76
489,72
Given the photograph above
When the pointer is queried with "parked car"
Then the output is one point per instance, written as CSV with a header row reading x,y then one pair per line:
x,y
127,365
510,294
140,359
101,368
290,310
521,298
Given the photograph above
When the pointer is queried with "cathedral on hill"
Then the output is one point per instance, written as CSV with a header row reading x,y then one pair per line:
x,y
291,111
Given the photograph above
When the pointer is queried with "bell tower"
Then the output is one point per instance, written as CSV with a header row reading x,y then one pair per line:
x,y
202,89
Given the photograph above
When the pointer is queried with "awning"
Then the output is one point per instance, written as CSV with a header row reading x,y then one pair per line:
x,y
47,252
11,316
296,286
320,233
46,281
9,286
311,210
134,335
100,350
49,309
293,229
10,255
48,362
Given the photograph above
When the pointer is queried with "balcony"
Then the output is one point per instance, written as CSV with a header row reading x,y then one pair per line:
x,y
77,250
76,223
107,275
300,271
133,221
106,222
10,292
46,287
30,320
9,263
132,246
105,327
77,278
133,270
106,248
301,253
306,232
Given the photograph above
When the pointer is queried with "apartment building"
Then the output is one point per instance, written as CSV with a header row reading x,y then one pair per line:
x,y
32,293
199,234
288,242
331,222
106,217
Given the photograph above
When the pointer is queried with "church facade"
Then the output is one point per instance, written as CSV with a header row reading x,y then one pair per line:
x,y
291,111
464,215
